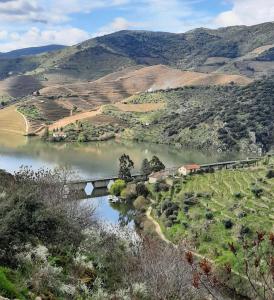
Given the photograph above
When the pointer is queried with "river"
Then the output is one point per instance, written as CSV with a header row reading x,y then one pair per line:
x,y
95,160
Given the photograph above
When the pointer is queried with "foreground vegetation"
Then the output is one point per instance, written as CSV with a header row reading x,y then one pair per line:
x,y
52,247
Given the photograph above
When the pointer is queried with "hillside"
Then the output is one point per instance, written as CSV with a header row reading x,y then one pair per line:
x,y
238,50
223,118
19,86
56,101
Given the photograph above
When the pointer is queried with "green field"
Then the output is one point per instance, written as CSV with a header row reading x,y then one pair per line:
x,y
208,202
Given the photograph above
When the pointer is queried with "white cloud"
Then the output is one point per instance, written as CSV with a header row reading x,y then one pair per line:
x,y
36,37
50,11
3,34
247,12
116,25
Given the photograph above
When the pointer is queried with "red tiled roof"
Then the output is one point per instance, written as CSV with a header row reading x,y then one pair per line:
x,y
192,167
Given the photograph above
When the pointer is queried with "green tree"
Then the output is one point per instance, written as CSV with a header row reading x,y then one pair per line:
x,y
156,165
126,165
82,138
117,187
145,168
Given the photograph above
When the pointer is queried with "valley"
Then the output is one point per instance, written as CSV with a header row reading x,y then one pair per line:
x,y
192,114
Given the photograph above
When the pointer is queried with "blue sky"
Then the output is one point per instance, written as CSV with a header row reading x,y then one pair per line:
x,y
26,23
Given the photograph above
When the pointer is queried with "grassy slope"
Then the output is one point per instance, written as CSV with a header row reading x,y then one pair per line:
x,y
210,236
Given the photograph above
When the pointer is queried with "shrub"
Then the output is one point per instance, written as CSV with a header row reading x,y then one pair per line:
x,y
140,202
228,224
129,193
167,203
257,191
209,215
142,190
168,223
242,215
244,230
117,187
36,210
238,195
270,174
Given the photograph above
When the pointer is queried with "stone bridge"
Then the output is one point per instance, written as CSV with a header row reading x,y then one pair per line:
x,y
95,183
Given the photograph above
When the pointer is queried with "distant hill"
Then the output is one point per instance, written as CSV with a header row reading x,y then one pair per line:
x,y
30,51
245,50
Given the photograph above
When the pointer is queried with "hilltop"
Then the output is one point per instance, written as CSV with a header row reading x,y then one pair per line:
x,y
30,51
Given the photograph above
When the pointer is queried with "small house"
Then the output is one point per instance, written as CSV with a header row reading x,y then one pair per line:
x,y
158,176
188,169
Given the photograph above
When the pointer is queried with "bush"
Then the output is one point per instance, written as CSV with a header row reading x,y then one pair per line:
x,y
209,215
242,214
257,191
238,195
270,174
168,223
129,193
140,202
35,210
117,187
142,190
228,224
166,204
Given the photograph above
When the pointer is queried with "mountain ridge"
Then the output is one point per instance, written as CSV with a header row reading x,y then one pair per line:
x,y
29,51
103,55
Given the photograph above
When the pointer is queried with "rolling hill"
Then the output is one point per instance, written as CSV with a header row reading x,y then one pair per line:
x,y
234,50
30,51
56,101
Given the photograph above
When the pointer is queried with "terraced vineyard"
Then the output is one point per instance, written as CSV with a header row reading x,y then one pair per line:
x,y
219,208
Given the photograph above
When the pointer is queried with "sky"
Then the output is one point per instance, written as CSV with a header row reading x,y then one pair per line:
x,y
28,23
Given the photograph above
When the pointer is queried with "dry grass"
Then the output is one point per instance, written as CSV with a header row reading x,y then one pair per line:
x,y
12,121
72,119
146,107
118,86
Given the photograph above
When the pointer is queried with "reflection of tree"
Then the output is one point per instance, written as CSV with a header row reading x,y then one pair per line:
x,y
126,212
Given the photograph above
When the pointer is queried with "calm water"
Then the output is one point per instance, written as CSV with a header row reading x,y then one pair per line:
x,y
94,160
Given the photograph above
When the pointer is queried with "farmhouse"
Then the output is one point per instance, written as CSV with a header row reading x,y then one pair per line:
x,y
188,169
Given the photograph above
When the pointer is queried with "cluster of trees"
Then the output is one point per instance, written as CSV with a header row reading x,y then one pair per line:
x,y
154,165
126,165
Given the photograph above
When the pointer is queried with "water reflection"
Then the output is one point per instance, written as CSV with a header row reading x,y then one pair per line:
x,y
121,213
99,159
95,160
